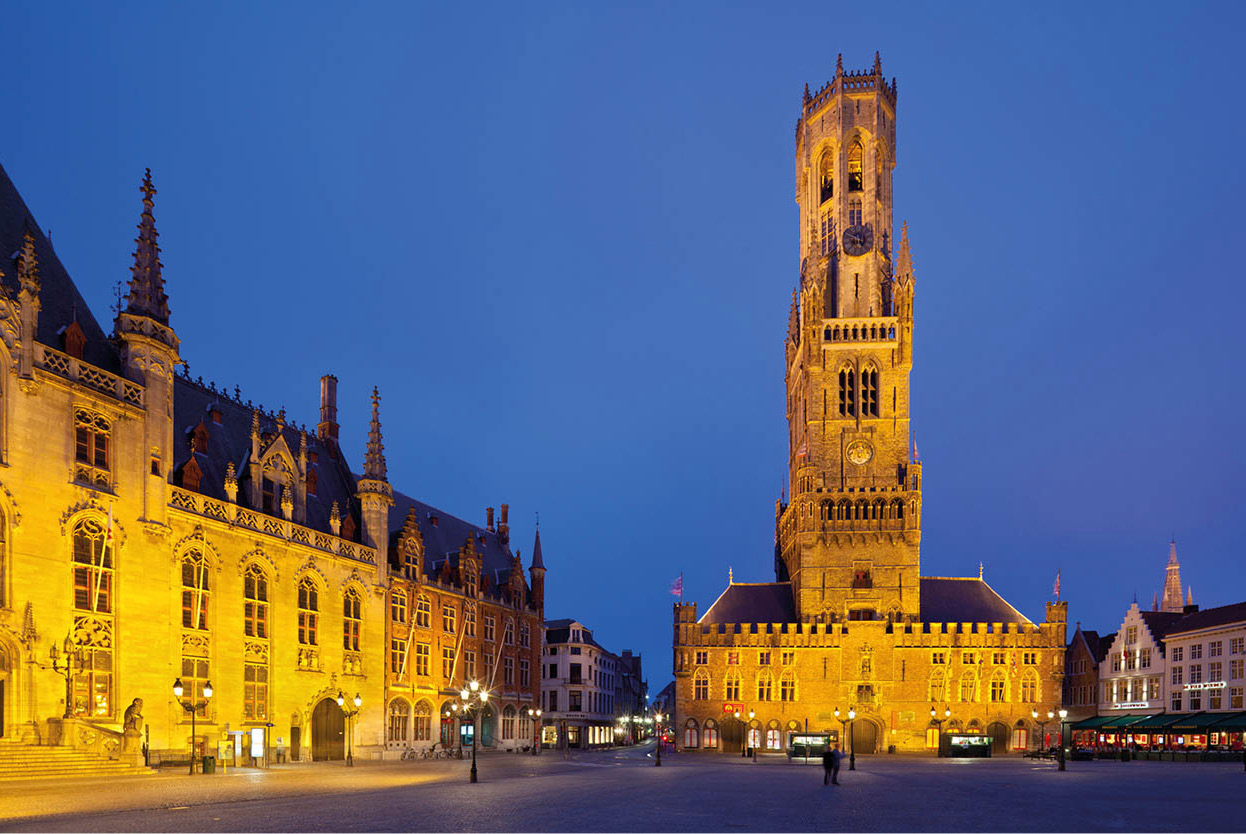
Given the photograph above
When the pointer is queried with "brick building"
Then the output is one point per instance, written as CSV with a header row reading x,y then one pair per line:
x,y
849,622
155,528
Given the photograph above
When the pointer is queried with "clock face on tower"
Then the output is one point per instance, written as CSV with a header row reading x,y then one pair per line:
x,y
858,239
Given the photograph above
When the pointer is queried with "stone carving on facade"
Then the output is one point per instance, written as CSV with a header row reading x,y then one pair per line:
x,y
93,631
309,659
867,661
133,719
255,652
195,645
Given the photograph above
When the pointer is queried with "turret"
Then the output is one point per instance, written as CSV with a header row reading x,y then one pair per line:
x,y
375,494
537,574
149,356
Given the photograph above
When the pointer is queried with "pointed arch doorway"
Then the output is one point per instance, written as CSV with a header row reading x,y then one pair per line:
x,y
328,732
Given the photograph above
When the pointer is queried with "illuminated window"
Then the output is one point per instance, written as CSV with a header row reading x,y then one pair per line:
x,y
352,620
398,606
423,724
194,590
827,188
765,686
732,686
92,433
447,664
998,690
423,612
701,685
856,177
309,616
938,686
1029,688
254,691
968,687
422,652
508,723
399,721
787,686
255,603
92,557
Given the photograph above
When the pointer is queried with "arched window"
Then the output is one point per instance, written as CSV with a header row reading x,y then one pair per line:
x,y
787,686
423,725
856,176
508,723
854,211
897,509
765,685
1029,687
399,721
999,689
352,620
869,392
309,613
701,685
692,738
710,737
255,602
843,511
938,686
731,687
847,393
1020,737
423,612
861,510
92,567
773,739
194,590
968,687
827,189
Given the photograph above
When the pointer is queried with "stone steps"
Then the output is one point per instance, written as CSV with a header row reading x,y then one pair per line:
x,y
30,761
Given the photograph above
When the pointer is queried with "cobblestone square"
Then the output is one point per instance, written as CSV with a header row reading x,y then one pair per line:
x,y
623,791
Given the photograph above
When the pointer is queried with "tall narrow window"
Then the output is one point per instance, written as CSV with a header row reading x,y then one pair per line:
x,y
423,724
827,189
255,602
508,633
194,590
525,633
254,691
765,685
352,620
422,653
423,612
309,613
397,656
469,621
92,567
194,675
869,393
732,686
399,721
847,393
91,453
787,686
856,178
398,606
447,618
828,233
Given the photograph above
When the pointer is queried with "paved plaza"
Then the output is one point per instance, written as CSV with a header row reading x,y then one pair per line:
x,y
623,791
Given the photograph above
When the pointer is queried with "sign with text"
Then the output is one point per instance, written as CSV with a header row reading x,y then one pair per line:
x,y
733,708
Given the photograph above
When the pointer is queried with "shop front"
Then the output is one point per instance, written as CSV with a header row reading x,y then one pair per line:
x,y
1200,736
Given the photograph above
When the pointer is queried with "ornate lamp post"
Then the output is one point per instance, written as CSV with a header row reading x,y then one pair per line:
x,y
657,756
1042,725
1064,713
852,752
193,708
350,734
751,716
65,663
474,698
535,716
934,716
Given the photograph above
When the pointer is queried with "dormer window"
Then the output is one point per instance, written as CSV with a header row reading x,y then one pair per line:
x,y
199,439
75,340
311,482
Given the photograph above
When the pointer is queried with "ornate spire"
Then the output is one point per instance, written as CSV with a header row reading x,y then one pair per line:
x,y
839,64
374,461
28,266
146,296
538,563
1171,598
878,65
904,259
808,98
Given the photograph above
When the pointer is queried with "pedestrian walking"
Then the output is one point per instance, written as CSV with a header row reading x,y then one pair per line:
x,y
830,765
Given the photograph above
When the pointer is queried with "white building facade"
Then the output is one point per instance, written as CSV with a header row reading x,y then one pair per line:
x,y
1132,677
579,681
1207,661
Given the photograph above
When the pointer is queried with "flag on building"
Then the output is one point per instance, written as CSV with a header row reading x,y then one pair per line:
x,y
677,587
1056,589
916,457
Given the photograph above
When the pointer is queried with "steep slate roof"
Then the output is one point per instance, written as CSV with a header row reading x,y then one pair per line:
x,y
444,540
1099,648
1223,615
760,602
59,297
964,600
559,631
1158,623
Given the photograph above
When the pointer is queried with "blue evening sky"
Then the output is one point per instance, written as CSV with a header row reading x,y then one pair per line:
x,y
562,240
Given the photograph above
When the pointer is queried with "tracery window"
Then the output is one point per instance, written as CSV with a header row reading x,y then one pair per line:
x,y
423,724
1029,688
92,555
847,393
869,393
399,721
92,442
765,685
255,602
999,690
309,613
827,188
731,688
787,686
194,590
508,723
701,685
938,686
968,687
352,620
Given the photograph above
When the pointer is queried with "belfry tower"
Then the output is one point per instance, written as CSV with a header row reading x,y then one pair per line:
x,y
849,539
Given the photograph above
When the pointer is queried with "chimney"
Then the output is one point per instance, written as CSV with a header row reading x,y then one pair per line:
x,y
504,527
489,519
327,429
1190,608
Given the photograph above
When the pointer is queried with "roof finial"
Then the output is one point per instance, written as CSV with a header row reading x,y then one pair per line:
x,y
146,296
878,64
979,570
374,461
28,266
807,96
1189,595
839,64
730,577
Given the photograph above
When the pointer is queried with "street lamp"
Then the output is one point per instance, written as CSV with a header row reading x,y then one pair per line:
x,y
350,735
474,699
751,716
743,736
934,716
71,658
852,751
535,716
1042,725
193,708
1064,713
657,757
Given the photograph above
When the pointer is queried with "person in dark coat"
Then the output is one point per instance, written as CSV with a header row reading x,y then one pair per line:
x,y
830,765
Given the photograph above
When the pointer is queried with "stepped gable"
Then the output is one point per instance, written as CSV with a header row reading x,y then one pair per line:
x,y
1223,615
443,541
752,602
59,298
964,600
230,442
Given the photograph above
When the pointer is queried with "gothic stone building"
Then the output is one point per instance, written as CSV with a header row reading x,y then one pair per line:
x,y
155,528
849,622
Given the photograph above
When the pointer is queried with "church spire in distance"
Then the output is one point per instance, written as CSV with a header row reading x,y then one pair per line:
x,y
146,296
1171,600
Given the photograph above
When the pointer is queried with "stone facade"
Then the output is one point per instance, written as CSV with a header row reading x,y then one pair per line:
x,y
155,528
850,623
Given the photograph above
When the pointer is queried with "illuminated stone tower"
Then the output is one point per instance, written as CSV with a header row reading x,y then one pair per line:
x,y
1171,601
848,540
